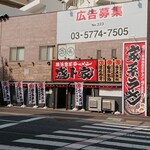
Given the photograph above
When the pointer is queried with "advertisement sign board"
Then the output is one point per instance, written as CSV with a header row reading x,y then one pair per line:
x,y
107,22
134,78
75,70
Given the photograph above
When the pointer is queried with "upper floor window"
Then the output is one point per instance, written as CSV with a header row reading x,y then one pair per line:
x,y
99,54
66,51
46,52
113,53
17,54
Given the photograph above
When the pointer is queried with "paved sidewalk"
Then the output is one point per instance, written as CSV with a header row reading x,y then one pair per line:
x,y
87,115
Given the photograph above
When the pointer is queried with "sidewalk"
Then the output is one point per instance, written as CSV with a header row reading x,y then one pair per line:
x,y
87,115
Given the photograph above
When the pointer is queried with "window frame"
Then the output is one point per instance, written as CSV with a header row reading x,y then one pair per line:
x,y
17,55
113,53
99,54
48,50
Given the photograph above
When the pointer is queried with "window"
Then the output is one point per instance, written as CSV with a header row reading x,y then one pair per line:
x,y
17,54
46,52
113,53
99,54
66,51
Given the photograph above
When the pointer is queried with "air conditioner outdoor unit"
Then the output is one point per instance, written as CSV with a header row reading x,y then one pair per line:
x,y
95,104
108,105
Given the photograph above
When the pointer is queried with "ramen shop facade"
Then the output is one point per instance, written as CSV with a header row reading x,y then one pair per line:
x,y
82,56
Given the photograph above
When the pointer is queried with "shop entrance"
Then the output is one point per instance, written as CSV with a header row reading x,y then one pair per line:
x,y
61,98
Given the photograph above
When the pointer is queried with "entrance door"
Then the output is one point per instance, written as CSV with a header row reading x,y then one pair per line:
x,y
61,98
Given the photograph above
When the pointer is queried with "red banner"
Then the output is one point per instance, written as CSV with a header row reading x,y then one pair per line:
x,y
101,70
109,70
75,70
134,78
117,70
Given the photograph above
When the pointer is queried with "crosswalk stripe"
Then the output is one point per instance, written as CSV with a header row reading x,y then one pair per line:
x,y
125,145
97,148
61,137
102,128
138,136
121,124
76,133
31,119
99,134
111,125
8,147
140,128
131,139
7,125
143,132
41,142
90,131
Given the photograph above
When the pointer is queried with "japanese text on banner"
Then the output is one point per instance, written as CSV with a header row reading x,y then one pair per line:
x,y
41,92
79,93
19,92
6,90
31,93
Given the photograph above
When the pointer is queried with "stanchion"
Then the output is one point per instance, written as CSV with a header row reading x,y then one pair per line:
x,y
35,106
23,105
75,109
45,107
82,109
9,105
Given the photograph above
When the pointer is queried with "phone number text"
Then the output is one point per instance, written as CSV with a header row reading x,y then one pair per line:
x,y
100,33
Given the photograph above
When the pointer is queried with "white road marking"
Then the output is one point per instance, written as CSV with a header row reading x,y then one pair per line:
x,y
76,133
61,137
126,145
97,148
8,147
92,131
111,125
138,136
132,140
76,146
103,128
142,132
7,125
22,121
41,142
31,119
5,120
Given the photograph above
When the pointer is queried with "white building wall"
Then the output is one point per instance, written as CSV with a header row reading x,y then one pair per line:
x,y
115,93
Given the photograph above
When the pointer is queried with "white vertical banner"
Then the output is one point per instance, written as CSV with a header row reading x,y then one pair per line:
x,y
78,93
31,93
41,92
6,90
19,92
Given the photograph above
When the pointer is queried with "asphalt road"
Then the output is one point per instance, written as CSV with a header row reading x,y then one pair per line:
x,y
32,131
